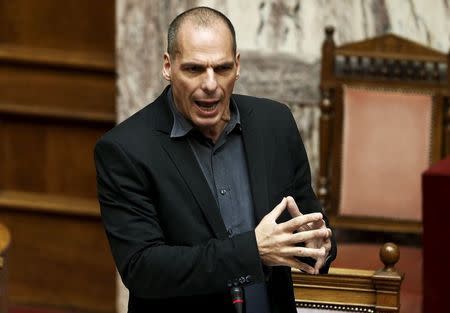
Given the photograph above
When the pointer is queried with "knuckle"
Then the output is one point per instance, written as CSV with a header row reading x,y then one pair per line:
x,y
321,232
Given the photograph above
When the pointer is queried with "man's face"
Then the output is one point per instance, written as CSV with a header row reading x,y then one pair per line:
x,y
202,76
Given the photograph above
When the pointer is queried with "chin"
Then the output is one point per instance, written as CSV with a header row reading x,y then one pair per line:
x,y
206,124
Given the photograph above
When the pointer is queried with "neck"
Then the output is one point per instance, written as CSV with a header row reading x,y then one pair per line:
x,y
215,132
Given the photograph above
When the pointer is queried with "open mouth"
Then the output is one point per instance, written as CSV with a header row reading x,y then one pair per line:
x,y
207,105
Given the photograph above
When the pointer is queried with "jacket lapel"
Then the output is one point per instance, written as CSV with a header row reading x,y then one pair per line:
x,y
256,160
180,153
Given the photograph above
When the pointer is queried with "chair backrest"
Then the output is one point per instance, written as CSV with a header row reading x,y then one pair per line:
x,y
5,240
385,117
349,290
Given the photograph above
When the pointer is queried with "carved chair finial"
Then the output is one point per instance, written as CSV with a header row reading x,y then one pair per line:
x,y
389,255
329,31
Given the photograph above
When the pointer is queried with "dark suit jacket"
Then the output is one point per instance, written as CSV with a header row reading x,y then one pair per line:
x,y
166,233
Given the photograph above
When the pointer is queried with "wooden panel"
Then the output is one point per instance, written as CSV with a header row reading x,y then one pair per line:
x,y
47,203
57,96
59,261
3,165
71,25
50,157
33,88
99,62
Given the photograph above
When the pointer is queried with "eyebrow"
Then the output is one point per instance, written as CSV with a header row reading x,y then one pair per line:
x,y
202,65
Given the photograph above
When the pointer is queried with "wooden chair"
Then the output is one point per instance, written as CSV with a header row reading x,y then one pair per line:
x,y
349,290
385,117
5,239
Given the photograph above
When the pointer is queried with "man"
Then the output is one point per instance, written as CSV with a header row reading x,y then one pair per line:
x,y
183,183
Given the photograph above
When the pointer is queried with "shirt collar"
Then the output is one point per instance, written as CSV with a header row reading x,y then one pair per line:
x,y
181,126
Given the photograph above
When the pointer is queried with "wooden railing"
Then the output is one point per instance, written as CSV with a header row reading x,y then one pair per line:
x,y
351,290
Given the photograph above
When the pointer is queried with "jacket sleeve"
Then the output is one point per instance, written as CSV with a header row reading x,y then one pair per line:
x,y
149,267
303,193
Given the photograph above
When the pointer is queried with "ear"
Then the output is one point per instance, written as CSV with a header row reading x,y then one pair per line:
x,y
238,64
166,70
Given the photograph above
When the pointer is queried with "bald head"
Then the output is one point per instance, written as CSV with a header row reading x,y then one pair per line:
x,y
202,17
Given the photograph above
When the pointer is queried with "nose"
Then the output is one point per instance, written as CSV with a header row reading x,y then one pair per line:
x,y
210,82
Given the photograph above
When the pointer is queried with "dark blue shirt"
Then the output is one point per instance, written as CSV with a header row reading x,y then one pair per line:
x,y
225,168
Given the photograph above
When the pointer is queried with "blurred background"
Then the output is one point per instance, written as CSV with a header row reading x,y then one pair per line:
x,y
70,70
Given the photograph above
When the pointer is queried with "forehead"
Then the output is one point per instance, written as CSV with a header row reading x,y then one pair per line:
x,y
204,42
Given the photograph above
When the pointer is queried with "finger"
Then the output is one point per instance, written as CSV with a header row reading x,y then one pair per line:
x,y
319,264
328,234
293,262
318,224
308,235
302,252
327,245
305,227
279,208
295,223
313,225
292,207
321,261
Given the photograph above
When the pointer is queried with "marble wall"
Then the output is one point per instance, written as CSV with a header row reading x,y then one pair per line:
x,y
280,44
279,41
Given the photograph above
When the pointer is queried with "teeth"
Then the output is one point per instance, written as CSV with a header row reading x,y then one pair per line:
x,y
210,108
206,107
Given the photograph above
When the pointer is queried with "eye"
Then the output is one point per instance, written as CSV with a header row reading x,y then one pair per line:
x,y
223,68
194,69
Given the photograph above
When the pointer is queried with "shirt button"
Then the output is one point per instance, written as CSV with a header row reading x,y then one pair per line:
x,y
223,192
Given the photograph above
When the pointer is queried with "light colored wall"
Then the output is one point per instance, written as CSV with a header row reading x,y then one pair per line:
x,y
280,44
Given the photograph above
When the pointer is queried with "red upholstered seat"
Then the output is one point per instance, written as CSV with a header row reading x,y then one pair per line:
x,y
386,143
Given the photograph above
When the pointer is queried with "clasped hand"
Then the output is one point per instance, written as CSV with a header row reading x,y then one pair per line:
x,y
278,244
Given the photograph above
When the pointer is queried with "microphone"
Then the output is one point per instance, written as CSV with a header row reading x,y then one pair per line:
x,y
237,297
